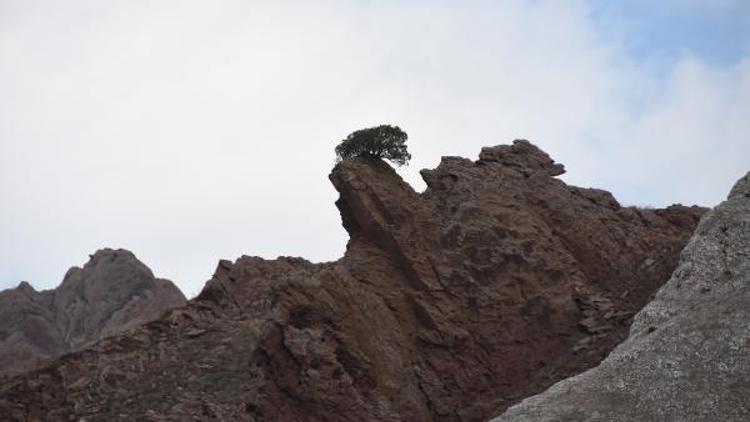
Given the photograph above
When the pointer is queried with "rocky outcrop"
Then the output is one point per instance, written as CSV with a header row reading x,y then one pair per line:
x,y
113,292
686,358
448,305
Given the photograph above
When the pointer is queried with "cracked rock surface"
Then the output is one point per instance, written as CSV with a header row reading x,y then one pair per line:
x,y
686,358
448,305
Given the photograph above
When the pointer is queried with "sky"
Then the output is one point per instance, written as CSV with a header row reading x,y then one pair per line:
x,y
192,131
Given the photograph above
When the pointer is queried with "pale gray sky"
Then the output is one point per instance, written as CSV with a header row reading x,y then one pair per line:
x,y
189,131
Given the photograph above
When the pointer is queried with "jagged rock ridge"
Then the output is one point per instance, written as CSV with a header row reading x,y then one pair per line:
x,y
448,305
113,292
686,358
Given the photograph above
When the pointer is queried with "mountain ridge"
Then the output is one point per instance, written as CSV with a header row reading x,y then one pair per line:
x,y
448,305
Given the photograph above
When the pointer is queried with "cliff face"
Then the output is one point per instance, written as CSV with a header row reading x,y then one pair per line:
x,y
686,358
448,305
111,293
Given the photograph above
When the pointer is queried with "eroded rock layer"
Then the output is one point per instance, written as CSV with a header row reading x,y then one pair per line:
x,y
448,305
113,292
686,358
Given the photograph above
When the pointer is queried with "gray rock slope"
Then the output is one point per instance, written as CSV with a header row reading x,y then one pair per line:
x,y
687,357
113,292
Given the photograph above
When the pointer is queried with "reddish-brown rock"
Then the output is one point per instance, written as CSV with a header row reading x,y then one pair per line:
x,y
448,305
113,292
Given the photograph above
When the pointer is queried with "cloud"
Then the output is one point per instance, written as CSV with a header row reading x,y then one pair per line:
x,y
190,132
689,142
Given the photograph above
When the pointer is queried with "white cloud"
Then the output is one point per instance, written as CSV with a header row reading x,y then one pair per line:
x,y
189,132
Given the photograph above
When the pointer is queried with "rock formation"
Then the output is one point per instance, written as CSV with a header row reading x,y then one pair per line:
x,y
686,358
111,293
448,305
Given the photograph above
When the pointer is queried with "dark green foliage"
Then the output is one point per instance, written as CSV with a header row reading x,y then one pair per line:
x,y
384,141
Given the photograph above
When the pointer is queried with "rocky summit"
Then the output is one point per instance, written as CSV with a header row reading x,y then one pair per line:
x,y
113,292
686,358
448,305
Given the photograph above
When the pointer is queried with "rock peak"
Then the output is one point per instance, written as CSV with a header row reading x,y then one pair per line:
x,y
113,291
370,194
24,286
110,253
378,207
741,188
524,156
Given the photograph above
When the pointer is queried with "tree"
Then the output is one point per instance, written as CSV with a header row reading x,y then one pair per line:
x,y
384,142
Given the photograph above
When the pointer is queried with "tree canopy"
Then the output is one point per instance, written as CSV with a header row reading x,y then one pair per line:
x,y
384,142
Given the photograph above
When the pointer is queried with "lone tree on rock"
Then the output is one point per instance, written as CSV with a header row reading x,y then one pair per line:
x,y
384,141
